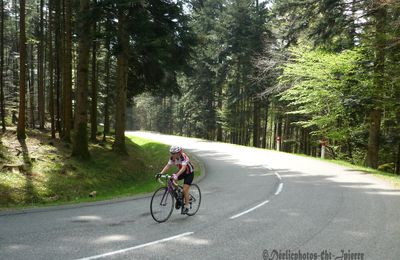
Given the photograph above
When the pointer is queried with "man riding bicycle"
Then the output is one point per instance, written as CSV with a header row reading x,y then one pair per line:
x,y
185,172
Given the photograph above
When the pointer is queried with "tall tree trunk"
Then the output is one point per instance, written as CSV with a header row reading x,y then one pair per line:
x,y
279,130
249,108
22,75
51,69
256,123
2,105
58,62
375,115
397,167
41,95
32,88
122,78
93,111
219,105
80,143
286,134
271,127
264,138
107,94
67,69
373,140
302,147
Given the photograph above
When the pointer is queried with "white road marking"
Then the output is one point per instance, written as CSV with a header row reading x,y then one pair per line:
x,y
260,174
136,247
265,202
279,188
247,211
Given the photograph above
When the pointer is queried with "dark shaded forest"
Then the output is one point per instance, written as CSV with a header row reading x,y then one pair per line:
x,y
290,75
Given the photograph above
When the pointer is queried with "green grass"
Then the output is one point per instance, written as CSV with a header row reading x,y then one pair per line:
x,y
392,178
49,176
389,177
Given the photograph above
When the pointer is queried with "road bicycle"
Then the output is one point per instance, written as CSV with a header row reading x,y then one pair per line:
x,y
171,194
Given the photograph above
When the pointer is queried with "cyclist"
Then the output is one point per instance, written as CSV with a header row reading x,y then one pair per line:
x,y
185,172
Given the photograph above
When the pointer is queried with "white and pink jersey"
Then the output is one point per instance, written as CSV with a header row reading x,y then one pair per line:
x,y
181,161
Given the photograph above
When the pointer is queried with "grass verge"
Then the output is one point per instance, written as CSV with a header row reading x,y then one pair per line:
x,y
389,177
40,171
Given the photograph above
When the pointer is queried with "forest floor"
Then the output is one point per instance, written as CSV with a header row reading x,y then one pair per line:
x,y
40,171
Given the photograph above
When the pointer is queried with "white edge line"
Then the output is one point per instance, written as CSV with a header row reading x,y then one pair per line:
x,y
136,247
277,175
279,188
247,211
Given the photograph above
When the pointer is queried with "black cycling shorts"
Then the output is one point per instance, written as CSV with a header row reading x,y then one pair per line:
x,y
187,178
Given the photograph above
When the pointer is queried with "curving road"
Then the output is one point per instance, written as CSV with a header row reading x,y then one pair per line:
x,y
257,204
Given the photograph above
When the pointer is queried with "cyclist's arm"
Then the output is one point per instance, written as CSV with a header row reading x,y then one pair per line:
x,y
166,168
182,170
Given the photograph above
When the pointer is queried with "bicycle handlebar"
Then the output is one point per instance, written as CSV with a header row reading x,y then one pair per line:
x,y
164,176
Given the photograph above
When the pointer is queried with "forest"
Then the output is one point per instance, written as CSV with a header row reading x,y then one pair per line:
x,y
290,74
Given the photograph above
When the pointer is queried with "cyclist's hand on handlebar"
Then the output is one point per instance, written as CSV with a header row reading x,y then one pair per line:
x,y
174,177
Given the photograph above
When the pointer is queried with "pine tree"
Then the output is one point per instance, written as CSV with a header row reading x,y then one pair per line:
x,y
80,142
2,105
22,76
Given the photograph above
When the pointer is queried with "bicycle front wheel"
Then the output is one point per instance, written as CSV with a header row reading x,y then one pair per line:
x,y
194,199
161,205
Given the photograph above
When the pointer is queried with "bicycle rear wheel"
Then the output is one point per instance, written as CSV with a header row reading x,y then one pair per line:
x,y
194,199
161,205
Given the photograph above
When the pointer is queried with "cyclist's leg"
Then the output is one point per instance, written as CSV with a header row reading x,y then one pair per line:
x,y
188,179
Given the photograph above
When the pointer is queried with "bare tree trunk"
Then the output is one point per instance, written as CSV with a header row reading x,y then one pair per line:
x,y
264,138
41,95
122,78
32,88
279,131
22,75
256,123
248,107
58,63
107,94
372,159
397,167
286,134
93,111
272,129
219,105
80,143
2,105
51,69
67,68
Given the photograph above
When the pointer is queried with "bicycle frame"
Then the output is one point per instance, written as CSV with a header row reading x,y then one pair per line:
x,y
170,188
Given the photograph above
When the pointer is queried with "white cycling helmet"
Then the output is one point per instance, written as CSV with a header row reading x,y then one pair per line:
x,y
175,149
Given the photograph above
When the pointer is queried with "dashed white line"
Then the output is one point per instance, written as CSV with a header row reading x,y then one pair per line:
x,y
279,188
247,211
136,247
277,175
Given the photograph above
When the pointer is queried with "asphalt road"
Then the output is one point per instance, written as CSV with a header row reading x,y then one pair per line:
x,y
255,204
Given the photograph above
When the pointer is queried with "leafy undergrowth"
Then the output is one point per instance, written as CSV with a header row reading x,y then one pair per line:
x,y
40,171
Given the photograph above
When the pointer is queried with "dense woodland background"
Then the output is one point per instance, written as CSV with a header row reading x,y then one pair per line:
x,y
254,73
